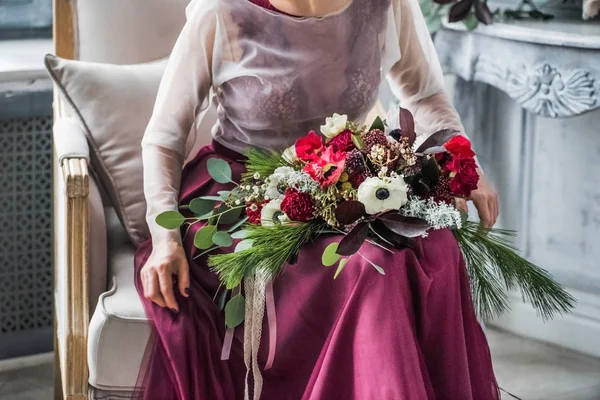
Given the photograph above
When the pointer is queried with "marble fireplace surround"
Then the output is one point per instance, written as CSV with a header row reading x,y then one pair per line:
x,y
529,95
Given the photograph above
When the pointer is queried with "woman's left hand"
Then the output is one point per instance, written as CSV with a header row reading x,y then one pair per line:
x,y
486,201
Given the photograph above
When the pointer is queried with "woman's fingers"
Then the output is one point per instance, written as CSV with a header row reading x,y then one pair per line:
x,y
483,209
183,275
152,289
165,280
461,204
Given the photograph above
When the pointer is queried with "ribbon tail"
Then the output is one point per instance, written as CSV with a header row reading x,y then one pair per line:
x,y
272,320
227,343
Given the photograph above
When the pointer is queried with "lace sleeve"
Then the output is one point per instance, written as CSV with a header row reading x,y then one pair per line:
x,y
182,95
416,78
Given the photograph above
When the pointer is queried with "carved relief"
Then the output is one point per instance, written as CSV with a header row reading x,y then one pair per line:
x,y
544,90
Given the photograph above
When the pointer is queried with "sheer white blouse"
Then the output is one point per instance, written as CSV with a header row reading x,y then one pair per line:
x,y
274,77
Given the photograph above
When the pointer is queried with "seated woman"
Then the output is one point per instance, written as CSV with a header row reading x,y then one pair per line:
x,y
275,70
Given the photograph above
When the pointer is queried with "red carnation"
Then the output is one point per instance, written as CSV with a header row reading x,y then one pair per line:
x,y
460,146
309,146
463,174
253,211
342,142
297,206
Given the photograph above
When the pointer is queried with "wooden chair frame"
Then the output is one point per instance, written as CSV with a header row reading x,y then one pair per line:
x,y
71,361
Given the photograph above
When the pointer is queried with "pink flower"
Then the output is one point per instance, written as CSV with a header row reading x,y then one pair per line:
x,y
309,147
327,168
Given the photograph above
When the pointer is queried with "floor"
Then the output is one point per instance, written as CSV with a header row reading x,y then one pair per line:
x,y
526,369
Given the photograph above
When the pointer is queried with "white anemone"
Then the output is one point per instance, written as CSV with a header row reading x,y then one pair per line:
x,y
281,173
334,125
272,215
380,195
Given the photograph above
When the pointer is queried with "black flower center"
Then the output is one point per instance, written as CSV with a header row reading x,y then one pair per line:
x,y
276,216
382,193
329,171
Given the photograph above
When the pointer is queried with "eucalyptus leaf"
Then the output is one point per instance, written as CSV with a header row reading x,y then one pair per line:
x,y
377,124
234,311
202,206
352,242
243,245
238,224
224,194
330,256
222,239
204,237
377,267
170,219
219,169
405,226
471,22
350,211
243,234
215,198
340,267
231,216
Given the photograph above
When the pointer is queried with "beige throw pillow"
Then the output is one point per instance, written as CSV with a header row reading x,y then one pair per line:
x,y
114,104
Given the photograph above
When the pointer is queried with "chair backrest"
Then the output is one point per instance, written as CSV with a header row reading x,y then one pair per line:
x,y
118,31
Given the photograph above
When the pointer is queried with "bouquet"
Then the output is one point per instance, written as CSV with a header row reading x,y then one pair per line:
x,y
369,185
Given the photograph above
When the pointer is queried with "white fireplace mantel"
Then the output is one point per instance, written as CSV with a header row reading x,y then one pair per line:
x,y
529,96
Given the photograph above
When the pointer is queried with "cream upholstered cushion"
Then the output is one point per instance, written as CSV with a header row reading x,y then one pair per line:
x,y
119,331
114,104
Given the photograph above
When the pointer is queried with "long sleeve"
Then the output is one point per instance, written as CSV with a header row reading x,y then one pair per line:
x,y
181,97
416,79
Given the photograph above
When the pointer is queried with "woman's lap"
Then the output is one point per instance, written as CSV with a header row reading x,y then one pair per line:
x,y
411,334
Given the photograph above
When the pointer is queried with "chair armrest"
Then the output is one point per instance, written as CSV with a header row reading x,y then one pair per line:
x,y
69,140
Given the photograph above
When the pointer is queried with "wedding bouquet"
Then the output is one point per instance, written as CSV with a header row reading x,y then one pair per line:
x,y
367,184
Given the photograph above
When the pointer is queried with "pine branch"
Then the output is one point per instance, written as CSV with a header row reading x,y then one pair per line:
x,y
262,162
272,246
494,266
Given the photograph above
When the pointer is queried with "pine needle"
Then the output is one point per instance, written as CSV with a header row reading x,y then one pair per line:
x,y
494,266
262,162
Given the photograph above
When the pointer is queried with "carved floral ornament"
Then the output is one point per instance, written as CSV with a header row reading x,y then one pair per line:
x,y
544,89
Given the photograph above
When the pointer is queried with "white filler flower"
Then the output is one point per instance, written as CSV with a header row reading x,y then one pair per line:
x,y
379,195
272,215
334,125
279,176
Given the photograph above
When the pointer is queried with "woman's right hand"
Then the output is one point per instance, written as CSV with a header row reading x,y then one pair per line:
x,y
167,259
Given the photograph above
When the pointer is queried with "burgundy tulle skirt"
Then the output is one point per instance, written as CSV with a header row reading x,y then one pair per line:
x,y
409,335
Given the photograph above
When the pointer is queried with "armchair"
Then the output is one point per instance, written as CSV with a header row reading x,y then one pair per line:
x,y
101,329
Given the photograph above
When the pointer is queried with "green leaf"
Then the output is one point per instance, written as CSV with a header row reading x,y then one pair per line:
x,y
229,215
223,239
219,170
223,299
204,237
243,245
377,267
340,267
464,216
215,198
243,234
238,224
234,311
471,22
330,256
224,194
377,124
170,219
358,142
202,206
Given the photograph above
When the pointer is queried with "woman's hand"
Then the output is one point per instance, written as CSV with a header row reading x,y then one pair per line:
x,y
486,201
167,259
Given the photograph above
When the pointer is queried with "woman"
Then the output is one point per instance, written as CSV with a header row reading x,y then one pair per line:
x,y
275,71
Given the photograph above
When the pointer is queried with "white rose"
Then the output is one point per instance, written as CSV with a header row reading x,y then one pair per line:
x,y
334,125
272,215
380,195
